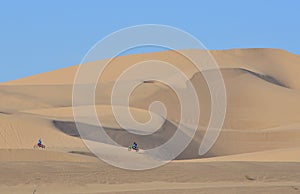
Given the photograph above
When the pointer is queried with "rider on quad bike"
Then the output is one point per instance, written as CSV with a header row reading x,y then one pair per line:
x,y
39,144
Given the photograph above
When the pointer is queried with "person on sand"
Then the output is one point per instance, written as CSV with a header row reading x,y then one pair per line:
x,y
40,142
134,145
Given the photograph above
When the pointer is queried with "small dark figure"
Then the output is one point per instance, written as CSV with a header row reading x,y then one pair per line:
x,y
134,145
40,142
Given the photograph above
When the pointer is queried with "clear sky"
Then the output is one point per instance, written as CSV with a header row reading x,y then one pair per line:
x,y
39,36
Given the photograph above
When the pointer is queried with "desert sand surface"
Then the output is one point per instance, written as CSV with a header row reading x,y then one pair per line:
x,y
258,150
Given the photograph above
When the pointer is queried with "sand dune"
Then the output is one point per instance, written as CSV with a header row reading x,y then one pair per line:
x,y
262,124
259,98
276,63
22,132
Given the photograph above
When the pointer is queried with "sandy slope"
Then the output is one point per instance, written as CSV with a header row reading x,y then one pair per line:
x,y
22,132
261,125
31,155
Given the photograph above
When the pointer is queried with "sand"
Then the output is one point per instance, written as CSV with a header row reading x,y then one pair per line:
x,y
258,150
192,177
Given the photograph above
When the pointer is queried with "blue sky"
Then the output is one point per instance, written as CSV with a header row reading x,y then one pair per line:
x,y
39,36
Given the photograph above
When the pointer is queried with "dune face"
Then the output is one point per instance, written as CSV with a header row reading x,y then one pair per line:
x,y
261,123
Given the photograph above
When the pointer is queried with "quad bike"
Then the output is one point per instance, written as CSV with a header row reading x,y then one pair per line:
x,y
37,146
133,148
